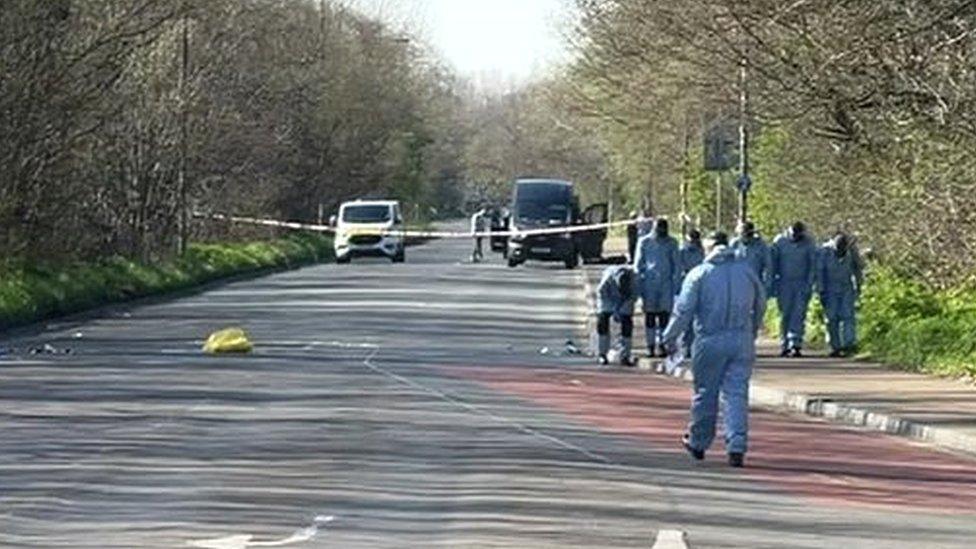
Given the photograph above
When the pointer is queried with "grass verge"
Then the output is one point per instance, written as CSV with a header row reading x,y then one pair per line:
x,y
29,293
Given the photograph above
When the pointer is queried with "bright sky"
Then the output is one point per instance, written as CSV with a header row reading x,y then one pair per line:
x,y
501,40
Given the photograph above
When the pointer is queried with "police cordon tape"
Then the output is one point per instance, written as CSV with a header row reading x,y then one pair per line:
x,y
413,233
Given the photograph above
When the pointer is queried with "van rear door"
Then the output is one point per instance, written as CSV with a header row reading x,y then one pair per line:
x,y
590,243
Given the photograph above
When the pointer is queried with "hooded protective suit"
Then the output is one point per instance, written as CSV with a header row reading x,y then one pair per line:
x,y
840,275
794,268
691,255
755,251
658,265
615,297
725,301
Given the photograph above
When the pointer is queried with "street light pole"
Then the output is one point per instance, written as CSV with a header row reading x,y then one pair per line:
x,y
744,178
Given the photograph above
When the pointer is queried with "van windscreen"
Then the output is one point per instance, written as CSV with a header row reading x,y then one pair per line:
x,y
366,214
540,202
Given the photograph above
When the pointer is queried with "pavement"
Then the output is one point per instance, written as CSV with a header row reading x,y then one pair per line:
x,y
938,411
426,404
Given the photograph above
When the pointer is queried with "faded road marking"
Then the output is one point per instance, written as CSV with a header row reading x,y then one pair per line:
x,y
245,541
670,539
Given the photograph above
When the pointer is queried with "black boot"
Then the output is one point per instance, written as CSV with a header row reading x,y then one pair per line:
x,y
737,459
696,454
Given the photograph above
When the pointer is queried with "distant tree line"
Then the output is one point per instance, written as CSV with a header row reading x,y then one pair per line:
x,y
120,117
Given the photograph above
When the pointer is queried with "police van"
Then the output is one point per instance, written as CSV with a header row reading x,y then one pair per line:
x,y
550,204
372,228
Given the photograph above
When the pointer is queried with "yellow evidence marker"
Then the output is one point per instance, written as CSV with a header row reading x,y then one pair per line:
x,y
231,340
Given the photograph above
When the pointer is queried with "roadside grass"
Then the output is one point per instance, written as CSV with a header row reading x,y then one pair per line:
x,y
906,325
910,325
29,293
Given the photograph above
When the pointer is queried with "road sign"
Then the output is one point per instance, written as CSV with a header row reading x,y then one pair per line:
x,y
721,145
744,183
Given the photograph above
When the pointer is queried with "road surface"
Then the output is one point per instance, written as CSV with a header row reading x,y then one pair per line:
x,y
410,406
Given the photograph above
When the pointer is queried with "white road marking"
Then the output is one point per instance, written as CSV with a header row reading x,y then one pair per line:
x,y
670,539
375,349
245,541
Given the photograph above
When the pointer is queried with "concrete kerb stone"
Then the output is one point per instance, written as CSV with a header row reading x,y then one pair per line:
x,y
779,400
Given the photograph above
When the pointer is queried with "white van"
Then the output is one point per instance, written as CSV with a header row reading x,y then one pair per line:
x,y
369,229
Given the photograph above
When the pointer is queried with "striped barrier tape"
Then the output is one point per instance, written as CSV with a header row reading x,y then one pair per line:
x,y
413,233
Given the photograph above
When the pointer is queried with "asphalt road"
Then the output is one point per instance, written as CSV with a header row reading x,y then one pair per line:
x,y
410,406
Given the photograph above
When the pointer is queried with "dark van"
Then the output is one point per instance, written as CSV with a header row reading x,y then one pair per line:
x,y
547,204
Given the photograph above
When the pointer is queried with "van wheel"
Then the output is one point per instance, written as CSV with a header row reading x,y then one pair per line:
x,y
400,257
572,261
343,260
512,262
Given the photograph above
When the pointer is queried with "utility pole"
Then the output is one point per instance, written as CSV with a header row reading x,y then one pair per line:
x,y
684,179
184,222
745,182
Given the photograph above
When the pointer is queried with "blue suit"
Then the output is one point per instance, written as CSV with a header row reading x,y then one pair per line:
x,y
692,255
794,269
756,252
658,265
611,298
615,299
839,278
725,301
